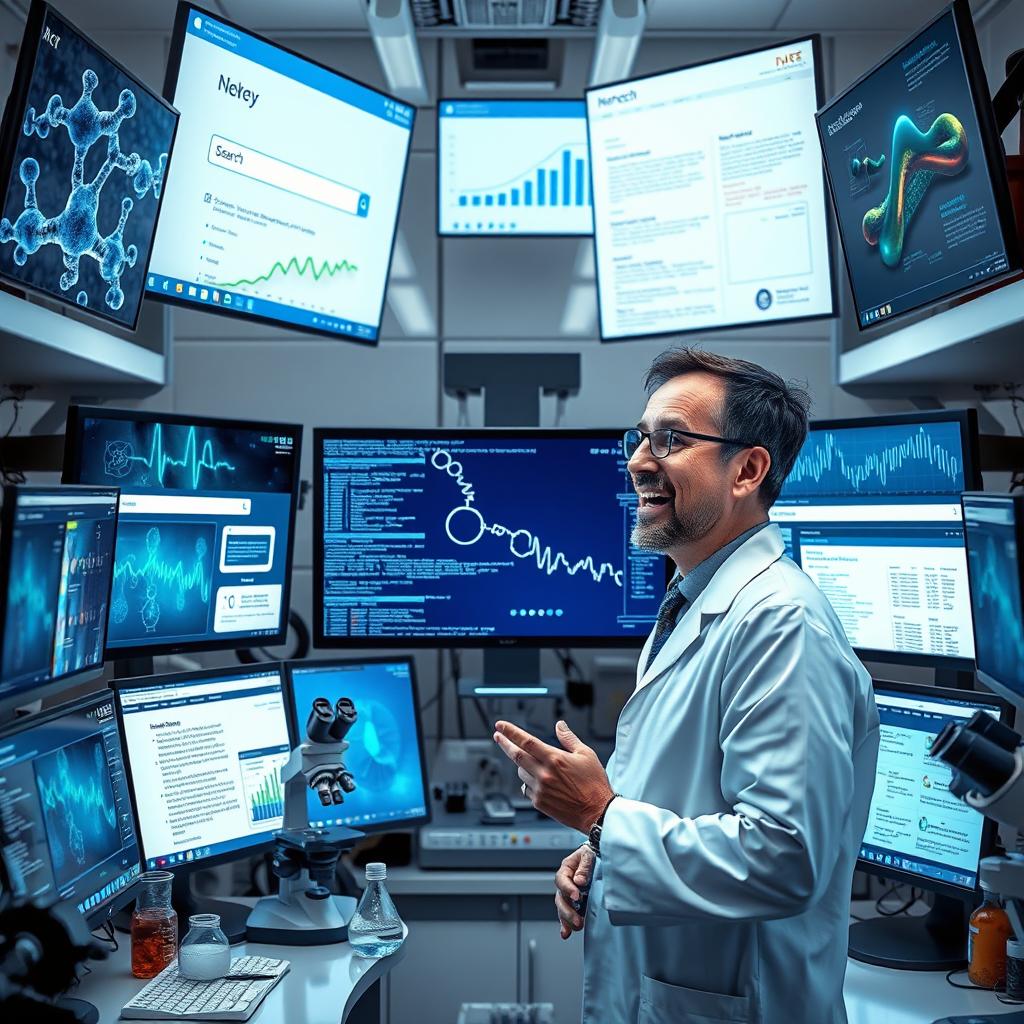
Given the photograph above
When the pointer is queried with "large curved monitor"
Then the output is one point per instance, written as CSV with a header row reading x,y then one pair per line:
x,y
289,179
918,175
84,155
206,528
478,538
56,566
709,197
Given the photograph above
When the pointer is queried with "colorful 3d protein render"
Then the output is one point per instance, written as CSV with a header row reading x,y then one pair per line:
x,y
916,158
75,229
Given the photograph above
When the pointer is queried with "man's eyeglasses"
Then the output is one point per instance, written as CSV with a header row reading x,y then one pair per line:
x,y
668,439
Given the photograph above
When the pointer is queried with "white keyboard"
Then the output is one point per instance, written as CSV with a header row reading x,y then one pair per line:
x,y
171,997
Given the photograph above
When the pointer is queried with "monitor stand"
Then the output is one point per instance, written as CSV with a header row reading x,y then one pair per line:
x,y
233,916
936,941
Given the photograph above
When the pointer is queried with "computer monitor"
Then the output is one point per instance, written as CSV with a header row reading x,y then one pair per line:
x,y
513,167
287,187
871,512
205,535
709,196
918,832
478,538
56,565
918,175
994,528
205,751
65,812
84,155
386,753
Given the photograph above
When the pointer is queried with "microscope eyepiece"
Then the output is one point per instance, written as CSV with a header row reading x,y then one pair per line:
x,y
345,717
980,763
321,718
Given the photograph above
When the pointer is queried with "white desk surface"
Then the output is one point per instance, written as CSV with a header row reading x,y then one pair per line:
x,y
322,986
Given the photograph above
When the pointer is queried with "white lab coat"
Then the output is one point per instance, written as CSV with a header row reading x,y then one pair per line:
x,y
746,761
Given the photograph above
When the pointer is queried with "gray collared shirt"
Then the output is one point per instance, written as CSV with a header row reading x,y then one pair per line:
x,y
692,585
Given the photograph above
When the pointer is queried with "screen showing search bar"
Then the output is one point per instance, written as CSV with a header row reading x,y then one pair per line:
x,y
183,505
251,163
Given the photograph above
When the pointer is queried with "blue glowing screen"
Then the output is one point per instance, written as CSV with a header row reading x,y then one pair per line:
x,y
994,559
385,752
482,536
204,538
66,806
60,560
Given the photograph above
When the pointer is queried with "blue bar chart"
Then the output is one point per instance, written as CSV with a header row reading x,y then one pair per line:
x,y
513,167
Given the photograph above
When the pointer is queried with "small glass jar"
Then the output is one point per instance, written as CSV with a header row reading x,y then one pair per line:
x,y
154,925
205,952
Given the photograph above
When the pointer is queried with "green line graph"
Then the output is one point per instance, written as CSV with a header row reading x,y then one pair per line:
x,y
324,269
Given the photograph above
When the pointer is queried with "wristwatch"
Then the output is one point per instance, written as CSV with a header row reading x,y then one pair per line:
x,y
594,835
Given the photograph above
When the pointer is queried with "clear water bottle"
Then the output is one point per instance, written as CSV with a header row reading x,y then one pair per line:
x,y
375,928
205,952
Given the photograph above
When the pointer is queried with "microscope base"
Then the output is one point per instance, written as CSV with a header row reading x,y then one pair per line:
x,y
301,921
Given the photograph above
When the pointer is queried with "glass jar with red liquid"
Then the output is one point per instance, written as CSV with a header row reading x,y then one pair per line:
x,y
154,925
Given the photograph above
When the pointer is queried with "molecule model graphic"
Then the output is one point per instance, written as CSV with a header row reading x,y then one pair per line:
x,y
75,229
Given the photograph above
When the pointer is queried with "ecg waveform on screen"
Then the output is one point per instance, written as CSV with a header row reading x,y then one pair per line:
x,y
521,542
119,458
156,574
872,461
78,805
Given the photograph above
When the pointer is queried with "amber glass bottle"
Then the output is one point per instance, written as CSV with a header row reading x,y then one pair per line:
x,y
986,942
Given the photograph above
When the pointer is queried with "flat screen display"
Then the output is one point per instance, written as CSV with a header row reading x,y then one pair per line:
x,y
994,525
66,809
513,167
56,565
915,825
290,181
478,538
871,512
386,751
205,534
85,158
205,752
709,198
917,178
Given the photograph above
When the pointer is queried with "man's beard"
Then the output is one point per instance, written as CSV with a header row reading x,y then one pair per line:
x,y
698,520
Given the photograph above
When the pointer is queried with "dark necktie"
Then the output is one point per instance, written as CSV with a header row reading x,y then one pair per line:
x,y
671,605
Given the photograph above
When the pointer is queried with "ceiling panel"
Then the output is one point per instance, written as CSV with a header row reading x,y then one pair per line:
x,y
106,15
270,15
733,15
863,15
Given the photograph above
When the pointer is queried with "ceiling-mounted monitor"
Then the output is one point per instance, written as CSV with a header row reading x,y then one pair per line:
x,y
709,197
291,177
513,167
84,163
918,175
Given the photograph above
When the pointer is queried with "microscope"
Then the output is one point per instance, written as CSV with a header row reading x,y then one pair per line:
x,y
987,759
305,912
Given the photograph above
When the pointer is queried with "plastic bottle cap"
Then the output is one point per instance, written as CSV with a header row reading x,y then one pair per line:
x,y
1015,949
376,872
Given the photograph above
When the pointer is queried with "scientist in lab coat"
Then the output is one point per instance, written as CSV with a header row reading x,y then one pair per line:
x,y
724,832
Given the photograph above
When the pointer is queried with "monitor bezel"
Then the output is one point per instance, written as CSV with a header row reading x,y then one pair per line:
x,y
172,679
10,128
297,728
990,828
177,43
102,911
968,421
11,493
324,642
509,234
991,146
72,468
814,38
1016,502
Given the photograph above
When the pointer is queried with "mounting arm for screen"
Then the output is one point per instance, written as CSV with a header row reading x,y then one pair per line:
x,y
511,386
1009,98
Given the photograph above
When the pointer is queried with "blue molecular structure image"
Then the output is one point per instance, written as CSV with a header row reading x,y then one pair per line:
x,y
90,150
75,229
